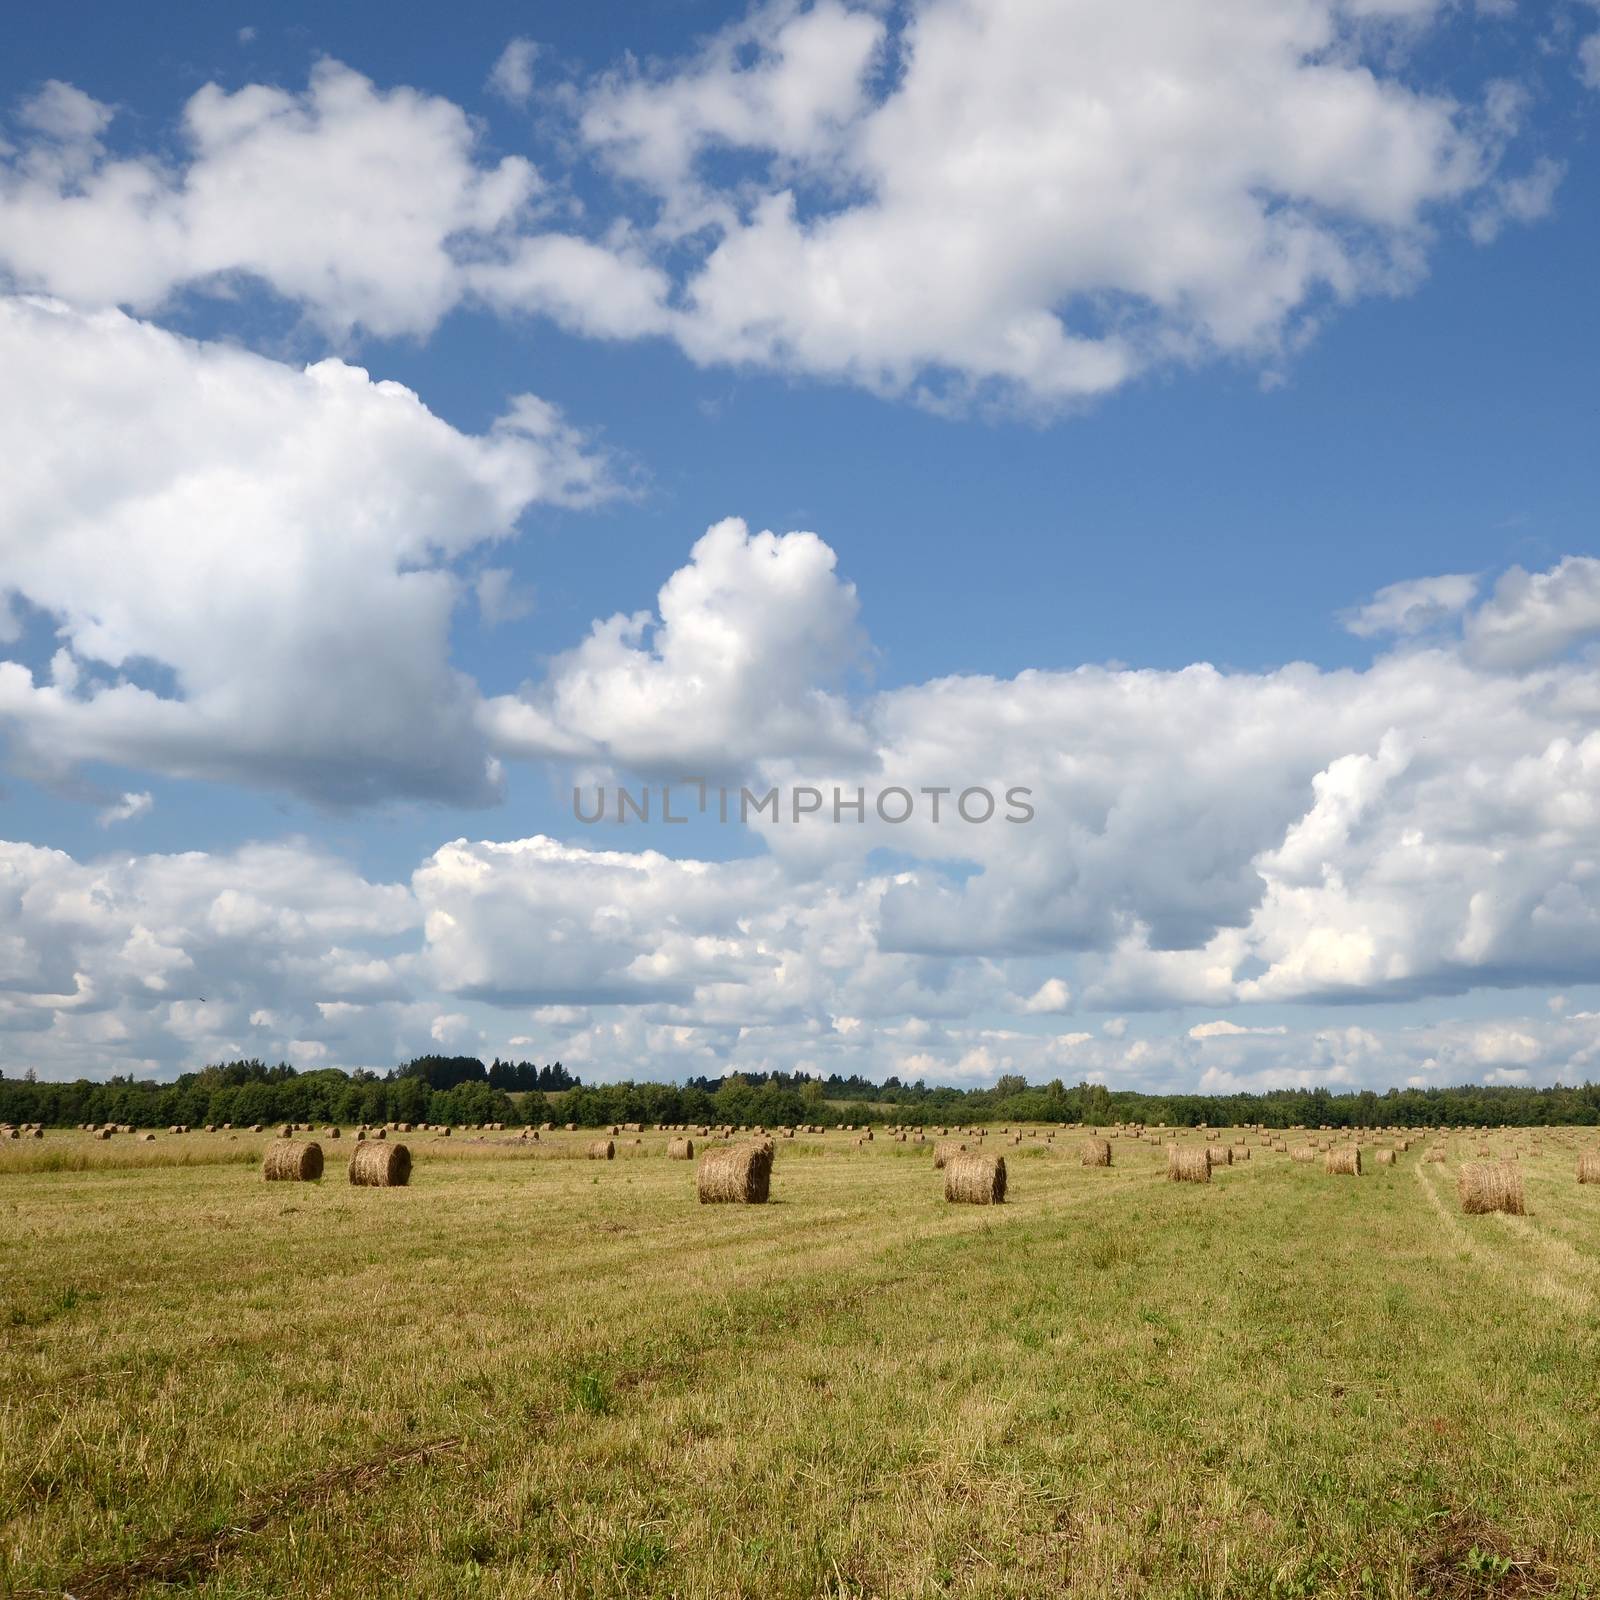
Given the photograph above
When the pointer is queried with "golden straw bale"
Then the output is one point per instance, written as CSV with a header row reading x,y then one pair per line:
x,y
736,1174
975,1179
1188,1164
1096,1153
1345,1160
1491,1186
376,1165
289,1161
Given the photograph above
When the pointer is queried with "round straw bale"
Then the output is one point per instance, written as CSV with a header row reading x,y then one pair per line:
x,y
1346,1160
148,1138
289,1161
739,1174
1589,1167
1096,1153
380,1166
1384,1158
1219,1155
1188,1164
943,1150
102,1133
1241,1152
380,1133
1491,1186
255,1127
602,1150
680,1149
286,1131
572,1127
330,1133
1434,1153
977,1180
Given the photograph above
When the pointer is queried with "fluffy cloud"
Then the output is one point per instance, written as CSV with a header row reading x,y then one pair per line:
x,y
1528,197
1018,199
368,207
737,665
717,945
783,80
130,806
252,582
1424,825
1535,617
512,75
154,962
1414,605
1048,198
1051,996
1421,826
1223,1029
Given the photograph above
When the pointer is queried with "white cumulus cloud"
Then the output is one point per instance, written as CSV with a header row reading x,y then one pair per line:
x,y
1047,198
253,583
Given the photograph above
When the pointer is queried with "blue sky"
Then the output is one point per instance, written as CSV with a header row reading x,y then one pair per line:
x,y
1177,386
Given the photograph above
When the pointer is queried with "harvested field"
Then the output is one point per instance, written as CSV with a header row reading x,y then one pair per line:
x,y
222,1373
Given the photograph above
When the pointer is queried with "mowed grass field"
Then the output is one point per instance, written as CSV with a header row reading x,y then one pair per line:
x,y
532,1375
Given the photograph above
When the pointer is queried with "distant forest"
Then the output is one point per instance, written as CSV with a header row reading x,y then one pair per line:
x,y
461,1089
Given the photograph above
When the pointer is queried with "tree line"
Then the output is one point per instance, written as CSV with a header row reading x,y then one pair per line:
x,y
461,1089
